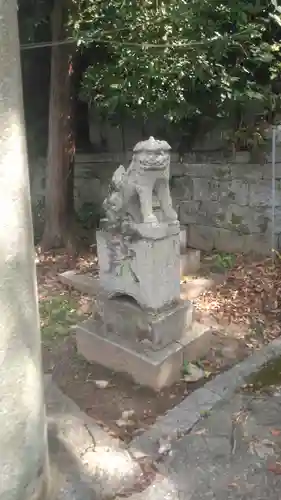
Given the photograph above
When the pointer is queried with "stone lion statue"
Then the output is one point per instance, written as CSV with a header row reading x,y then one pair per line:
x,y
131,191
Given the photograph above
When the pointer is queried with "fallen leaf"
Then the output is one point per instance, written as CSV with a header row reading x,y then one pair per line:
x,y
275,468
126,414
275,432
124,423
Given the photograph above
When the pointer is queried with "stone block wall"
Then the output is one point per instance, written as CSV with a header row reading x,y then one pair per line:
x,y
226,207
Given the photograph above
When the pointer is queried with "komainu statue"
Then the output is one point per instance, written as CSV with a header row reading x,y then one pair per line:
x,y
131,191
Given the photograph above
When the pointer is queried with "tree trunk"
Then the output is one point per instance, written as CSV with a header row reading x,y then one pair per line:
x,y
59,207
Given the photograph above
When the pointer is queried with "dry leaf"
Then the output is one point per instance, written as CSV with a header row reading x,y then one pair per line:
x,y
275,432
275,468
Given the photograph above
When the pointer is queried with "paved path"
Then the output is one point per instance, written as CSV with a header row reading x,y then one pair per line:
x,y
231,454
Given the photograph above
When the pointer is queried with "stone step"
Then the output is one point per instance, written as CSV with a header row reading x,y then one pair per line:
x,y
84,283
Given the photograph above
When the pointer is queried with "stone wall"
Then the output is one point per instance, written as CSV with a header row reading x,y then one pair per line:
x,y
227,206
223,206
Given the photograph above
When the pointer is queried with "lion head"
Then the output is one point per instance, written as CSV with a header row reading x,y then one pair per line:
x,y
151,155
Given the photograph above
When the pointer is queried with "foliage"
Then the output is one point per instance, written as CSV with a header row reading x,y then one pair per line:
x,y
225,260
58,313
184,59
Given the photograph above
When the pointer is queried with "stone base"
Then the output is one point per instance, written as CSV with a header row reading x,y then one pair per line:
x,y
127,319
146,269
147,367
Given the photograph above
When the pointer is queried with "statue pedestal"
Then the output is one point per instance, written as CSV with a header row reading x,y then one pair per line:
x,y
145,268
140,325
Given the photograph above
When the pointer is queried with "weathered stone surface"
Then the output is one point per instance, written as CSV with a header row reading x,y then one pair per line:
x,y
86,463
260,195
197,341
220,171
231,241
188,211
152,368
140,267
201,237
251,173
155,369
130,198
85,283
181,188
130,321
232,453
207,238
24,470
266,171
238,191
183,239
227,215
246,220
235,190
245,185
189,262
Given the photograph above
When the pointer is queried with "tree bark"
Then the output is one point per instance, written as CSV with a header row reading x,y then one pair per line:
x,y
59,206
24,468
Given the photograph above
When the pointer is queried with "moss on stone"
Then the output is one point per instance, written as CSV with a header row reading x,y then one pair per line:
x,y
236,220
221,172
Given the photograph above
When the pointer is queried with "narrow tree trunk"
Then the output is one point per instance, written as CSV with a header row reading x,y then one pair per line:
x,y
59,208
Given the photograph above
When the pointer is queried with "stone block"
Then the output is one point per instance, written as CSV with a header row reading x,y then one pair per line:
x,y
247,172
232,241
277,154
260,194
221,190
224,214
189,211
190,262
155,369
209,170
177,169
84,283
183,239
238,191
267,171
246,220
197,169
181,188
201,237
197,342
128,320
148,367
146,269
202,189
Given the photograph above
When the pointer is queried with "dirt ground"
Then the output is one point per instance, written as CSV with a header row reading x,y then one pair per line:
x,y
243,307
